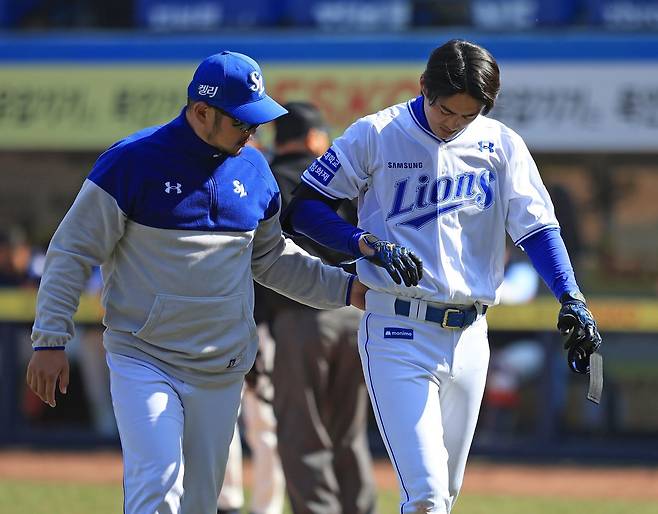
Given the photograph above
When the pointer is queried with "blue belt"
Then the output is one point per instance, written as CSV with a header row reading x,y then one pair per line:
x,y
448,317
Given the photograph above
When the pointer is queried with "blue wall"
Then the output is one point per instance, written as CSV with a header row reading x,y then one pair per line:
x,y
309,47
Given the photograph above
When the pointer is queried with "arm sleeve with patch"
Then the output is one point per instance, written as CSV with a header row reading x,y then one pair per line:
x,y
343,171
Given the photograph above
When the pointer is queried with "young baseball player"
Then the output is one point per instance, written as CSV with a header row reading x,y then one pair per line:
x,y
437,176
181,217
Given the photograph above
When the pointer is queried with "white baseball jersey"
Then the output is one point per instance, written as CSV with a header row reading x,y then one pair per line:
x,y
450,202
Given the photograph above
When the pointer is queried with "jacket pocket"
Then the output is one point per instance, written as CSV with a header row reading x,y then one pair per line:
x,y
216,330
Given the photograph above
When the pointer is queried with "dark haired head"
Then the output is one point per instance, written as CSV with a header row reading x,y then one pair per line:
x,y
301,117
462,67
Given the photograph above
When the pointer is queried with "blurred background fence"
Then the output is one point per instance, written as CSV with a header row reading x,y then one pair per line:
x,y
579,83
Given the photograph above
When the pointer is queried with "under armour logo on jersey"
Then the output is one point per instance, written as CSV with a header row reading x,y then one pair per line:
x,y
441,196
169,188
257,82
486,145
239,189
209,91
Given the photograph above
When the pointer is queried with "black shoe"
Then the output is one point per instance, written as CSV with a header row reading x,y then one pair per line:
x,y
229,511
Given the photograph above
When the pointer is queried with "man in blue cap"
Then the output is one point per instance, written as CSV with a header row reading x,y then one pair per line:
x,y
232,87
180,217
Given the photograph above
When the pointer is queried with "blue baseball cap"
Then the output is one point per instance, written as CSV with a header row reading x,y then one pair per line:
x,y
234,83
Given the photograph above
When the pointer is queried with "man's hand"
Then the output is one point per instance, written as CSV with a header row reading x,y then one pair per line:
x,y
402,265
577,326
43,371
358,295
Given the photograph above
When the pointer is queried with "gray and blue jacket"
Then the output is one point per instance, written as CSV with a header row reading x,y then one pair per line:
x,y
179,230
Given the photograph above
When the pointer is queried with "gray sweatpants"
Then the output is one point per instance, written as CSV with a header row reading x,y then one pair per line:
x,y
174,436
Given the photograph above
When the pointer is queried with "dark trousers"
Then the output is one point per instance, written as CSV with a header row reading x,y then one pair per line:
x,y
321,406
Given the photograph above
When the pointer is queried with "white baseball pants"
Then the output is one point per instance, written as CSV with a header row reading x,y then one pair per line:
x,y
426,385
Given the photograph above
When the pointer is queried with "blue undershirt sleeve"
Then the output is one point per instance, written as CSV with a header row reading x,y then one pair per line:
x,y
318,221
550,258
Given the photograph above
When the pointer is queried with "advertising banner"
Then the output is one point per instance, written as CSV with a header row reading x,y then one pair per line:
x,y
556,107
75,107
581,107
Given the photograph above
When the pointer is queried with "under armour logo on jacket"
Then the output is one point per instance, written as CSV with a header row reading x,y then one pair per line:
x,y
169,188
239,189
486,145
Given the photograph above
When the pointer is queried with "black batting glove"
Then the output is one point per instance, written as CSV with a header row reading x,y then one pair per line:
x,y
577,326
400,263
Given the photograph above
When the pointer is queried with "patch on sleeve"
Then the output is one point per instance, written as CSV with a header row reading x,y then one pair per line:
x,y
330,160
324,168
320,173
398,333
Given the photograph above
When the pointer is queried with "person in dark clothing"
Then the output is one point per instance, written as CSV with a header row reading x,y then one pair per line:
x,y
320,398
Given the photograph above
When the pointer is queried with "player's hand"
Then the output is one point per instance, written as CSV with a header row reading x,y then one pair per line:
x,y
46,367
358,295
401,263
577,326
